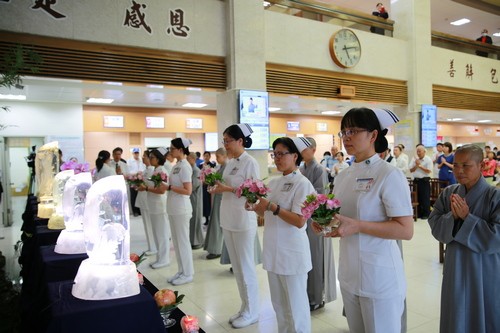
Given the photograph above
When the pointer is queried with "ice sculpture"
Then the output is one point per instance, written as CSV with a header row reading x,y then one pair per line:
x,y
71,240
46,167
56,221
108,273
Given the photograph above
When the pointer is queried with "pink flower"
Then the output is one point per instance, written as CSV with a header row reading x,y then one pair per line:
x,y
252,190
320,206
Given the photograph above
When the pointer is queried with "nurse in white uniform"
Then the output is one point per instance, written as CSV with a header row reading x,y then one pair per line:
x,y
157,204
239,226
180,210
376,211
286,254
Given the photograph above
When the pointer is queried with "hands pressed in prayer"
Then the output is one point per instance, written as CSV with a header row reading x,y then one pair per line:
x,y
459,207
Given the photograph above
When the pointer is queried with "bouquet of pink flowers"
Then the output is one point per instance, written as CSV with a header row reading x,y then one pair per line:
x,y
321,208
135,179
77,167
252,190
158,177
209,176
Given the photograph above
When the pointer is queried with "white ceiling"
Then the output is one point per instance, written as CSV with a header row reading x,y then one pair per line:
x,y
76,91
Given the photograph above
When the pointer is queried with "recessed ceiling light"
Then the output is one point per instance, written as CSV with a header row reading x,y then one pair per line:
x,y
100,100
13,97
484,121
194,89
158,86
271,109
194,105
111,83
460,22
454,119
330,112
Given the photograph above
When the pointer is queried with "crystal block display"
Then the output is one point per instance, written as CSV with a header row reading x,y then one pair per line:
x,y
71,240
56,220
46,167
108,273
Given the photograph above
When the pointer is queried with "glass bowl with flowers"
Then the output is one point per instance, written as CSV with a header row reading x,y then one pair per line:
x,y
321,208
167,301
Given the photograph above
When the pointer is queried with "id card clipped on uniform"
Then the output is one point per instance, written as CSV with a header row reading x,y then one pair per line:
x,y
364,184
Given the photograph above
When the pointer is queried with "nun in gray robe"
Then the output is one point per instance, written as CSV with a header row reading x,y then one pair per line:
x,y
321,281
214,238
470,293
196,222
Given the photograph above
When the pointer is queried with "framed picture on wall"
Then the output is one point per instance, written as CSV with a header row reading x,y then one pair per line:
x,y
113,122
293,126
321,127
194,123
155,122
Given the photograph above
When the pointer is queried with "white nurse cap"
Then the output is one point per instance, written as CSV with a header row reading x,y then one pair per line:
x,y
245,129
386,118
301,143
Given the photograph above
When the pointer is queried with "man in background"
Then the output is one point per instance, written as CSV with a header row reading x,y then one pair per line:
x,y
135,165
484,39
421,169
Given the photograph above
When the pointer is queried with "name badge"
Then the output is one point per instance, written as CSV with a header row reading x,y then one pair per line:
x,y
234,171
175,171
364,184
287,187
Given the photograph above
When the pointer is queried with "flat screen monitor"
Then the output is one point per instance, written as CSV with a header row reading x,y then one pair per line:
x,y
155,122
429,125
254,111
211,142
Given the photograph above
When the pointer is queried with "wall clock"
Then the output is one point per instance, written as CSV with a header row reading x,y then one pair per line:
x,y
345,48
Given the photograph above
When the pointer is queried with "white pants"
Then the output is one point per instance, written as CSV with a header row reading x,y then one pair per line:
x,y
373,315
240,247
179,224
146,220
290,302
161,234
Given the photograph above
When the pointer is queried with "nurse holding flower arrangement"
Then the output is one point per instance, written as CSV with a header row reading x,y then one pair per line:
x,y
286,254
376,213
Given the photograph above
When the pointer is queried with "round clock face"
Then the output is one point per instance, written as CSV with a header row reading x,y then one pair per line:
x,y
345,48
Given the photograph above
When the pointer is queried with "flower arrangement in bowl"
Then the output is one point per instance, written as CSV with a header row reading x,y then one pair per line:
x,y
167,301
137,259
321,208
210,176
252,189
158,177
135,179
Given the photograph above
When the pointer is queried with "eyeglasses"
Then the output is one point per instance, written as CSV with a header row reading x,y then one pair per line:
x,y
350,132
225,142
279,154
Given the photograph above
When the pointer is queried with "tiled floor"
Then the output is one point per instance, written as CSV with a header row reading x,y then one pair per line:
x,y
213,296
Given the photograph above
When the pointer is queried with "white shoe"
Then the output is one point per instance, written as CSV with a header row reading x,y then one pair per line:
x,y
151,253
183,279
157,265
244,322
234,317
175,277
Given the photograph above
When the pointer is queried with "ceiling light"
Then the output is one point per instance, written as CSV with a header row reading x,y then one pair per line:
x,y
158,86
194,105
496,34
193,89
113,83
271,109
454,119
460,22
330,112
13,97
100,100
484,121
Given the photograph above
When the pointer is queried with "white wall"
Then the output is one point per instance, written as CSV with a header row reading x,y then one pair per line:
x,y
42,119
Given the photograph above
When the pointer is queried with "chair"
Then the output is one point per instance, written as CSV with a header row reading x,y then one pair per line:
x,y
437,187
414,198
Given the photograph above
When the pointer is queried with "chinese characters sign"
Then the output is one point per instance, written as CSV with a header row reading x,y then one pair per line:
x,y
469,72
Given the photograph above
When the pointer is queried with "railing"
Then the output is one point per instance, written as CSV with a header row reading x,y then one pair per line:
x,y
464,45
331,14
322,12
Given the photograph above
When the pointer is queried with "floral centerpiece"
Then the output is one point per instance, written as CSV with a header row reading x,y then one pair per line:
x,y
321,208
252,190
210,176
167,300
137,259
77,167
135,179
158,177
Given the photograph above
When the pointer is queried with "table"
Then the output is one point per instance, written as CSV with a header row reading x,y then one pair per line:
x,y
67,313
45,236
59,267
